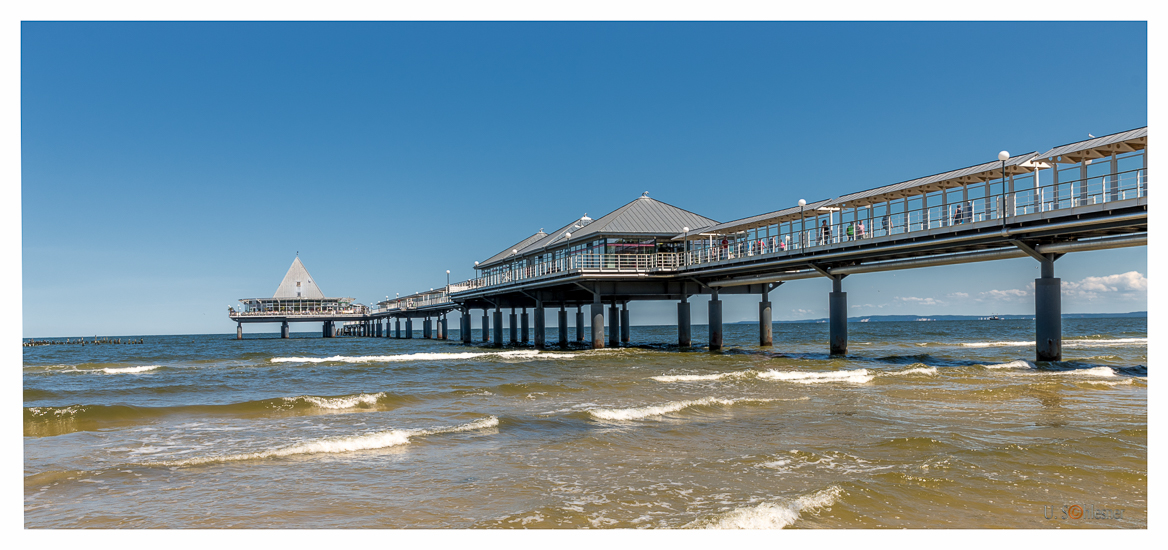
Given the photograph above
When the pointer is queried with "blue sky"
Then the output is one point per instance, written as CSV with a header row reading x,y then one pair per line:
x,y
169,169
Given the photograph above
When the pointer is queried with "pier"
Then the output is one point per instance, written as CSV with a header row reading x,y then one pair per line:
x,y
1083,196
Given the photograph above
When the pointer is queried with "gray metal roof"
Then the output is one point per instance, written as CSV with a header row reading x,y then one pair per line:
x,y
298,283
954,178
557,236
778,216
506,253
644,216
1122,142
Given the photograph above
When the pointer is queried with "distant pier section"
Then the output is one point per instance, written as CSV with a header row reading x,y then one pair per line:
x,y
298,299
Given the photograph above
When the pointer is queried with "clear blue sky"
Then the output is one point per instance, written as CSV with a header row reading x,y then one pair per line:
x,y
172,168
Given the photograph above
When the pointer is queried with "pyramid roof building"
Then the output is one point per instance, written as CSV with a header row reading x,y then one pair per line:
x,y
298,283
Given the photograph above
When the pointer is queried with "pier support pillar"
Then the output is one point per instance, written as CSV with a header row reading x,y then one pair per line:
x,y
562,321
838,311
613,325
427,330
333,329
579,323
540,322
409,328
514,327
284,329
464,325
324,330
378,327
486,328
397,328
766,330
445,328
597,323
715,322
1048,314
498,327
523,326
683,327
624,323
439,334
239,331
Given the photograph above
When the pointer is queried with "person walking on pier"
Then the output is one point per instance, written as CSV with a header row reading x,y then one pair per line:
x,y
851,231
958,217
860,230
824,232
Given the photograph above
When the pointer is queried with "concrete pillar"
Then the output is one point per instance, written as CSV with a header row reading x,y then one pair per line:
x,y
397,328
597,324
613,325
624,323
838,322
284,329
715,322
486,326
427,328
523,327
439,334
464,325
333,328
378,324
1048,315
562,321
514,326
766,330
445,328
239,331
579,323
409,328
683,327
540,322
498,327
324,331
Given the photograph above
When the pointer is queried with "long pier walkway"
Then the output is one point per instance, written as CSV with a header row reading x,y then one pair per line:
x,y
1088,195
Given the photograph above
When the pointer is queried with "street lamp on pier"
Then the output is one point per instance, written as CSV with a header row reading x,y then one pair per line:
x,y
1002,156
802,227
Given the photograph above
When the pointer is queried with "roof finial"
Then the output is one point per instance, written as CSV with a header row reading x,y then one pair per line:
x,y
645,195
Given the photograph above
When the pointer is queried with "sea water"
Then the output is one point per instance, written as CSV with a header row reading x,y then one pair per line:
x,y
922,424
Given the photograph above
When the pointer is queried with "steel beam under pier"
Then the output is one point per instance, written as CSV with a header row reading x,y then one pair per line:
x,y
838,310
540,321
498,327
514,328
523,326
1048,314
715,321
766,330
624,323
597,323
562,321
683,326
613,325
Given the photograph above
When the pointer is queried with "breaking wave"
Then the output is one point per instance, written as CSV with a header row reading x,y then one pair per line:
x,y
858,376
131,370
701,377
342,402
1067,343
930,371
1012,365
519,354
636,413
376,440
771,515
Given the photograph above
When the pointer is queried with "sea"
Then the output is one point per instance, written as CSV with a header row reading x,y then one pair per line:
x,y
945,424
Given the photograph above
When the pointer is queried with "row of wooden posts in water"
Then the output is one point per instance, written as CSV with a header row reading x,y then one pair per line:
x,y
81,341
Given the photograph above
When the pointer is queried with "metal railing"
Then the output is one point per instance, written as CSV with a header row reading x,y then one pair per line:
x,y
1046,198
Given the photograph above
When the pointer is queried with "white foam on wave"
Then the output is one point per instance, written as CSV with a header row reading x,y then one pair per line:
x,y
930,371
772,515
1094,371
342,402
858,376
1012,365
636,413
701,377
996,344
377,440
131,370
518,354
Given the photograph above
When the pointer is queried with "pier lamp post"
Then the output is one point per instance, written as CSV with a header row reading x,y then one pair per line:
x,y
568,251
448,281
1002,156
685,244
802,228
